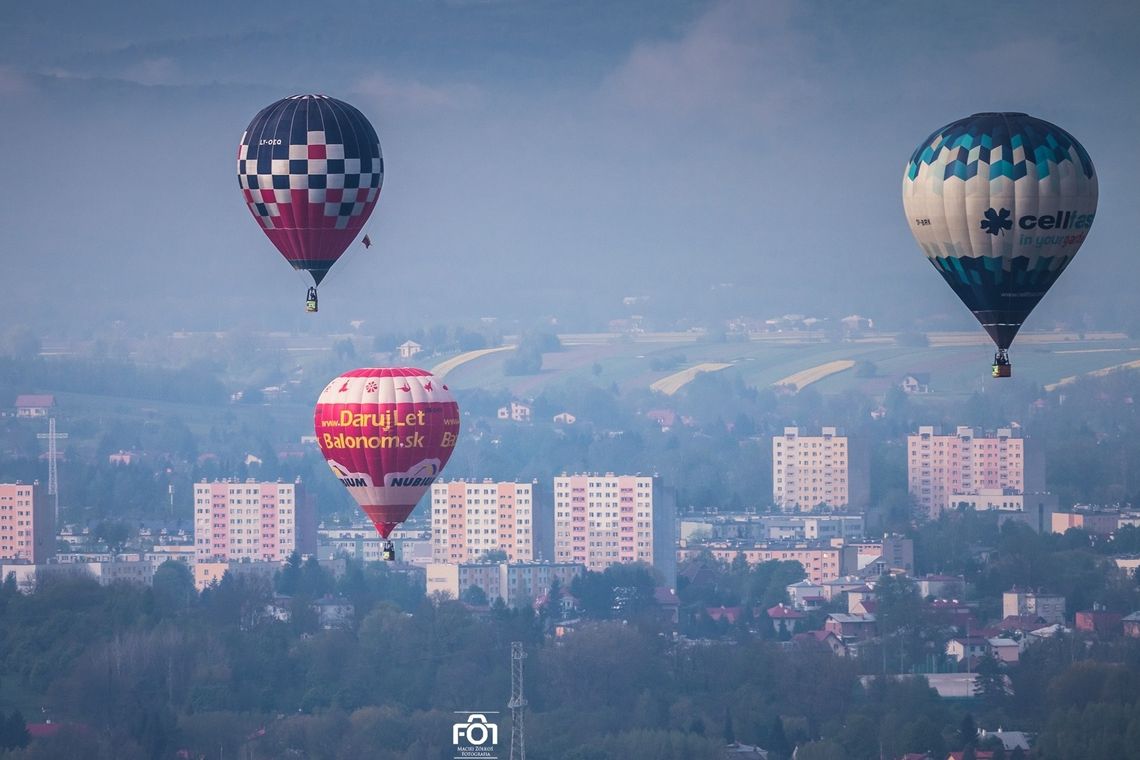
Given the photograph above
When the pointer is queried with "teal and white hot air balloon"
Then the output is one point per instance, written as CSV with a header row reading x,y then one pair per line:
x,y
1000,203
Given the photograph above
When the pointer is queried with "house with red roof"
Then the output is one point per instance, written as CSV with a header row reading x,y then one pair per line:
x,y
34,405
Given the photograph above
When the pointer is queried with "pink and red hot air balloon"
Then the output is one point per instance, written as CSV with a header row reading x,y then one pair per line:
x,y
310,169
386,433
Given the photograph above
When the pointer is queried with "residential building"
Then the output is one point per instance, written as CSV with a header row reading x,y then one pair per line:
x,y
941,586
805,595
408,349
786,618
516,583
470,518
772,527
916,382
821,560
849,627
941,468
1131,625
972,647
1004,649
1033,509
892,551
252,521
34,405
515,412
1048,607
600,520
812,472
209,572
27,524
1098,523
1099,622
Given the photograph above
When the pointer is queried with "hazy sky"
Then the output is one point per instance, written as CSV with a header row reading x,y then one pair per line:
x,y
542,158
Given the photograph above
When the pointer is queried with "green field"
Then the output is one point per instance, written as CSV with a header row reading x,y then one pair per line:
x,y
956,363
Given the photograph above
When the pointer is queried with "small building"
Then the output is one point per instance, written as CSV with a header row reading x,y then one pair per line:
x,y
334,613
409,348
565,418
515,412
917,382
972,647
1050,607
1010,740
850,627
1131,625
802,591
941,586
728,614
822,638
786,617
1100,622
34,405
1005,650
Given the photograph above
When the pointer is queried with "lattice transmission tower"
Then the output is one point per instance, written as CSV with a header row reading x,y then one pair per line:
x,y
518,702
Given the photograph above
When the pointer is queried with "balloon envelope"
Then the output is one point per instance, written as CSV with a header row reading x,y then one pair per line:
x,y
386,433
1000,203
310,169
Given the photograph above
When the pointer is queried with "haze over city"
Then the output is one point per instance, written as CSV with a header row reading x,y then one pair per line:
x,y
632,423
557,155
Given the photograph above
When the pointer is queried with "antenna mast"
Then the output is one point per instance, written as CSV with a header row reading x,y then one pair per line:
x,y
517,703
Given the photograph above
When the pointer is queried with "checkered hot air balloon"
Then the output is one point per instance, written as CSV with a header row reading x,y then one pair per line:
x,y
310,170
1000,203
386,433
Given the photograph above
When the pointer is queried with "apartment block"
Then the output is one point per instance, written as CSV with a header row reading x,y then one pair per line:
x,y
601,520
943,468
809,472
252,521
469,519
27,524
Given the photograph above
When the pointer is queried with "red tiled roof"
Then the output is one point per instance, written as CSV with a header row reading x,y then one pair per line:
x,y
29,401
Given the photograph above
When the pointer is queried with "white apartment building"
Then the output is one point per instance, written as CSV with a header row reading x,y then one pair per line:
x,y
811,471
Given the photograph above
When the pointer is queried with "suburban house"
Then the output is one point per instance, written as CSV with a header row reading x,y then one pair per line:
x,y
409,348
918,382
32,405
516,412
850,627
1132,625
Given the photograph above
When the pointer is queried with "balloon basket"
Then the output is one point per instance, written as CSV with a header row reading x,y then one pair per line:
x,y
388,553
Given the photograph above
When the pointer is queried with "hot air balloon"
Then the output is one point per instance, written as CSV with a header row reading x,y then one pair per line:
x,y
1000,203
386,433
310,169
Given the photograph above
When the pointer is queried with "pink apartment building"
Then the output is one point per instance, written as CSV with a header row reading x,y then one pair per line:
x,y
252,521
469,519
27,526
940,467
600,520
